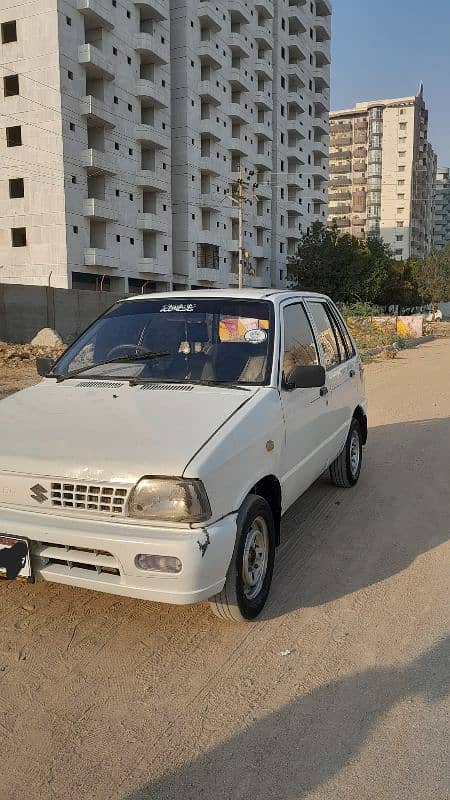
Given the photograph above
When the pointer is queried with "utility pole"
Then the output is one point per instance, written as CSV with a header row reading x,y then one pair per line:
x,y
239,199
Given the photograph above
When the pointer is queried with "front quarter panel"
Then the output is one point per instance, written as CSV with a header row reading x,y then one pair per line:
x,y
241,453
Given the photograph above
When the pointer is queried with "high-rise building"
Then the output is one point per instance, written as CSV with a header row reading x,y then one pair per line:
x,y
382,171
125,126
441,216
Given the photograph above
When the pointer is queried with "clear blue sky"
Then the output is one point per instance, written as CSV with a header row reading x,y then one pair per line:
x,y
384,48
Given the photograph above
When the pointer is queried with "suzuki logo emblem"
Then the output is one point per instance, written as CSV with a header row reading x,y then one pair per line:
x,y
39,493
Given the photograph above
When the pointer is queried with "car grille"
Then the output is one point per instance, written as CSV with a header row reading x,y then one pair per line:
x,y
89,497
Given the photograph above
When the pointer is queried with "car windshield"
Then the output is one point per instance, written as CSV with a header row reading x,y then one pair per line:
x,y
208,341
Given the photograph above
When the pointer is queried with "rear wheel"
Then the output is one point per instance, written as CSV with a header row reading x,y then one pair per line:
x,y
346,469
250,572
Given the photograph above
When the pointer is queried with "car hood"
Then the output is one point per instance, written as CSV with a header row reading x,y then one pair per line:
x,y
109,430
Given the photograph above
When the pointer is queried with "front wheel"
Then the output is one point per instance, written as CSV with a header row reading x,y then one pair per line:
x,y
250,572
345,470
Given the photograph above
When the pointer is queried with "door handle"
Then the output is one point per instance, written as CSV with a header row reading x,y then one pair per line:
x,y
323,391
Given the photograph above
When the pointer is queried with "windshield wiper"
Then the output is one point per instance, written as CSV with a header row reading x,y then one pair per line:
x,y
187,382
146,356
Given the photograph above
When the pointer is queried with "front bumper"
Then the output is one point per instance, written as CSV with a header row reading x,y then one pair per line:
x,y
100,555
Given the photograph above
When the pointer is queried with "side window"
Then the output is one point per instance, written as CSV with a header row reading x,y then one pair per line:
x,y
342,327
333,348
299,345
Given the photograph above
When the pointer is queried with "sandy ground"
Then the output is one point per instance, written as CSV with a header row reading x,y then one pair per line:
x,y
341,691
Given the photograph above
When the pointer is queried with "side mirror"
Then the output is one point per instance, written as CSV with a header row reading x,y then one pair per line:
x,y
311,376
44,366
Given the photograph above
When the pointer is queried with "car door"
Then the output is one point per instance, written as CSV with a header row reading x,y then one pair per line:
x,y
339,362
304,410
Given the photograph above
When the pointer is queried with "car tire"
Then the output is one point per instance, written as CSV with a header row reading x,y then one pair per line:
x,y
346,469
250,572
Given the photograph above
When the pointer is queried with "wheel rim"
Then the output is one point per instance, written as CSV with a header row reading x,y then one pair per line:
x,y
355,453
255,558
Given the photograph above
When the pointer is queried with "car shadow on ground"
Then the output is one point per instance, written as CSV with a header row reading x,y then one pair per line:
x,y
337,541
296,749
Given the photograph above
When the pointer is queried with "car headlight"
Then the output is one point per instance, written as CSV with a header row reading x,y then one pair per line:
x,y
169,500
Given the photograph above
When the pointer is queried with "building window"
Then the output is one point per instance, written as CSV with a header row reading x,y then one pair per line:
x,y
129,60
72,126
9,32
118,237
130,151
403,126
14,136
114,51
130,107
75,228
116,100
401,168
74,178
131,240
128,14
116,145
19,237
70,75
131,196
283,53
16,188
283,82
10,85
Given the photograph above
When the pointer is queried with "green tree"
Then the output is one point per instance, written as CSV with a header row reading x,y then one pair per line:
x,y
346,268
433,277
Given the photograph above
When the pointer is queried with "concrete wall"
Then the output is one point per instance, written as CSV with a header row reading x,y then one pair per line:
x,y
24,310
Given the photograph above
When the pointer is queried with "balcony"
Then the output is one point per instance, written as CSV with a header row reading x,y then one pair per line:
x,y
209,52
240,80
263,100
263,130
264,190
263,37
210,17
155,266
323,29
344,127
97,13
154,9
239,44
262,161
149,92
265,8
99,210
322,53
211,164
295,101
320,148
151,45
149,134
99,257
340,155
294,179
323,8
320,124
295,126
322,78
297,20
238,113
96,112
239,147
210,127
211,92
343,208
98,163
264,68
258,281
240,11
157,179
205,274
94,62
211,202
297,74
153,222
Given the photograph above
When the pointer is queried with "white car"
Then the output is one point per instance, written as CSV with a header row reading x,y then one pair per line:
x,y
158,455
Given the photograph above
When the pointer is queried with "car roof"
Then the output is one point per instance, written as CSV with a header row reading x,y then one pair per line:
x,y
273,295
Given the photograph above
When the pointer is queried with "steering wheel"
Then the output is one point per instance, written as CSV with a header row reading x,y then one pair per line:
x,y
126,346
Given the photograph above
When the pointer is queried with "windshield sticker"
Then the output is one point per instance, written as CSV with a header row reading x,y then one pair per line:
x,y
177,307
255,336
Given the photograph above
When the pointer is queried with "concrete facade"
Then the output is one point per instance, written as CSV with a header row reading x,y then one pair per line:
x,y
441,216
125,125
382,172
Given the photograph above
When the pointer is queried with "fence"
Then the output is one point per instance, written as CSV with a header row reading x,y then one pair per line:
x,y
25,310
